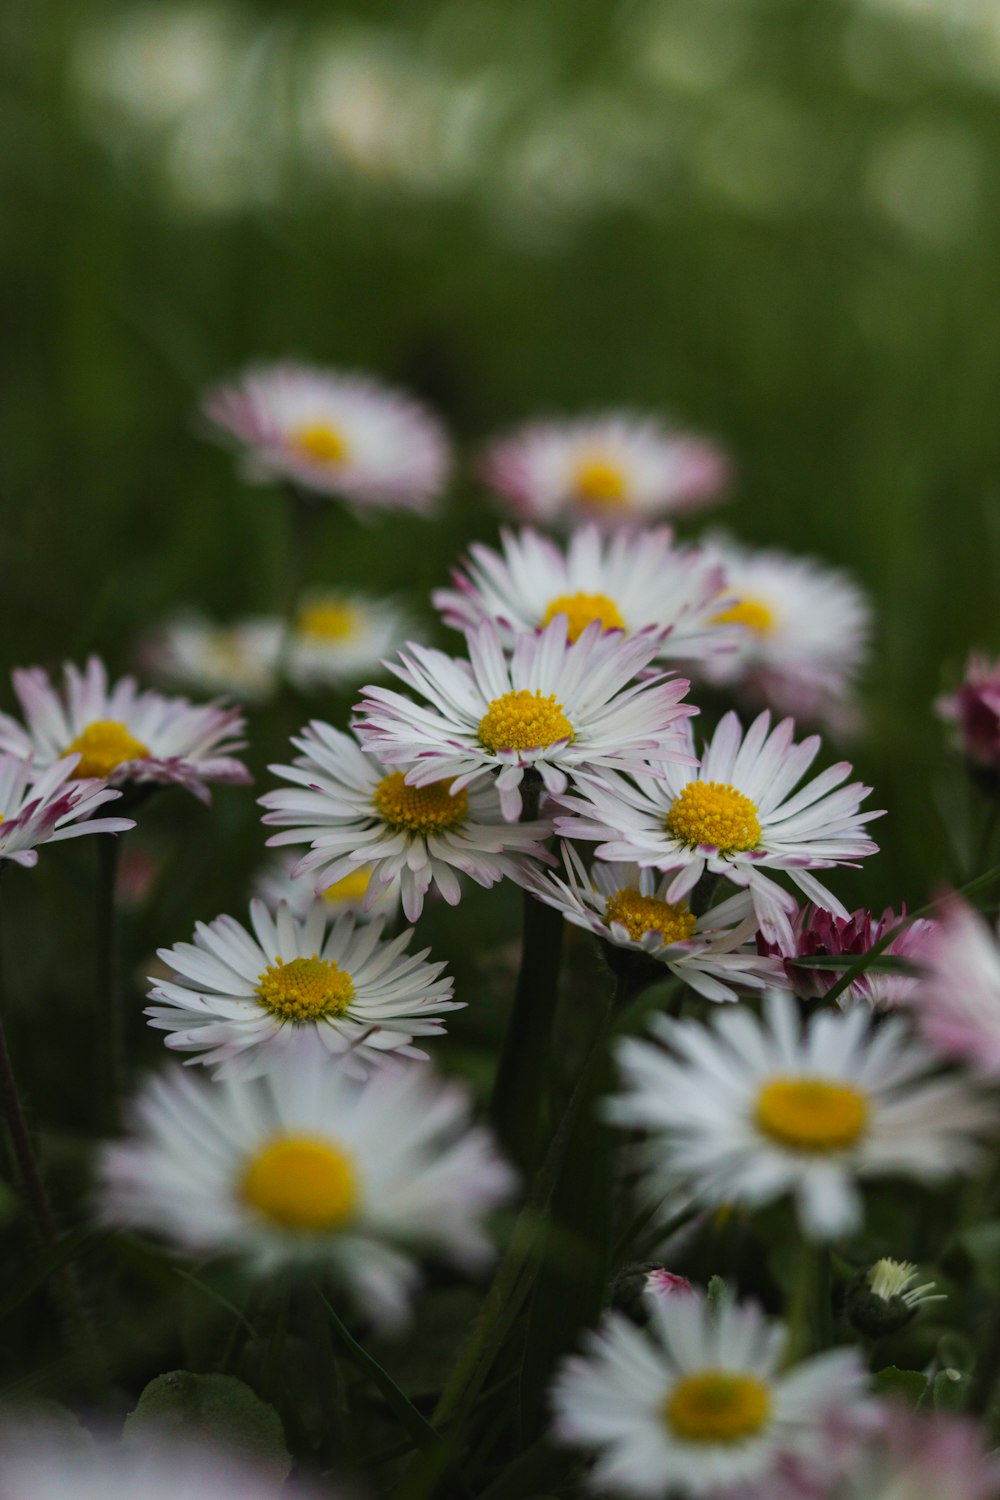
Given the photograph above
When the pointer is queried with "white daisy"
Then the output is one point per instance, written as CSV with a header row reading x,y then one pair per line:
x,y
357,813
745,1110
629,581
736,816
338,636
617,469
339,434
957,1001
240,659
308,1165
626,905
275,882
700,1402
123,734
40,807
239,1000
556,707
804,633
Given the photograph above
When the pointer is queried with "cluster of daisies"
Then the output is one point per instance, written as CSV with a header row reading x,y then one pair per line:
x,y
559,749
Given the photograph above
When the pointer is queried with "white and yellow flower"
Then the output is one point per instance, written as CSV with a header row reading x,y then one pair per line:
x,y
555,707
41,807
308,1166
700,1402
357,814
240,659
356,892
338,636
239,1000
744,1110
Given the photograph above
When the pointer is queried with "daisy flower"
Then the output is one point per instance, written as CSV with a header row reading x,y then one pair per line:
x,y
239,999
803,633
616,469
736,816
337,636
921,1457
882,1298
629,581
308,1165
957,1002
276,883
820,934
626,905
334,433
974,709
123,734
700,1401
40,807
554,706
240,659
744,1110
357,813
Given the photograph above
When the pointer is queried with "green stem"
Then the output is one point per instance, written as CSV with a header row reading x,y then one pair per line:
x,y
807,1317
983,1384
109,999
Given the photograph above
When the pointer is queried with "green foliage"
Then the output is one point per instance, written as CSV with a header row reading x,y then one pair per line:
x,y
218,1407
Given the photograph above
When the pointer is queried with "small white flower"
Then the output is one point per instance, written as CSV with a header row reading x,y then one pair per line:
x,y
737,816
627,905
335,433
617,469
629,581
745,1110
700,1402
556,707
239,1000
275,883
40,807
240,659
307,1165
357,813
123,734
338,636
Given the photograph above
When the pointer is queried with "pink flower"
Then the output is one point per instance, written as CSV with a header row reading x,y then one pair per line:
x,y
957,1003
822,934
974,708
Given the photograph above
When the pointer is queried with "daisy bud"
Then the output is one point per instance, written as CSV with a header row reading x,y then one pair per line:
x,y
883,1299
974,709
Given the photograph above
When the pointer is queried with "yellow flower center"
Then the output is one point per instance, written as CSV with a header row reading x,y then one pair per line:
x,y
597,481
352,887
710,812
524,721
305,989
717,1406
812,1114
419,809
754,614
320,442
302,1183
581,609
641,914
104,745
327,621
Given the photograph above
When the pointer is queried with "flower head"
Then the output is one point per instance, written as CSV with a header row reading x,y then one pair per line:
x,y
746,1110
820,934
122,734
338,434
239,999
357,892
337,636
974,709
956,1003
40,807
240,659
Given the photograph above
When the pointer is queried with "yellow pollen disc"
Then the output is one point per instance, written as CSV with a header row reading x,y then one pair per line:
x,y
327,621
597,481
524,721
352,887
812,1114
320,442
754,614
104,745
305,989
302,1183
641,914
709,812
717,1406
581,609
419,809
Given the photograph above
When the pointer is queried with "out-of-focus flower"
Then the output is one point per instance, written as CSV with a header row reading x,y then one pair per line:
x,y
957,1001
337,434
239,1000
275,883
745,1110
974,709
883,1298
617,469
629,581
240,659
357,813
308,1166
663,1283
627,906
555,707
698,1402
40,807
338,636
123,734
820,934
803,633
736,817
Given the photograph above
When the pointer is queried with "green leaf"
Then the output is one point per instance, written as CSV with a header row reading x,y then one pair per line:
x,y
949,1390
887,964
909,1386
220,1407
